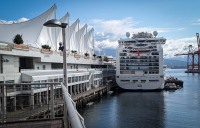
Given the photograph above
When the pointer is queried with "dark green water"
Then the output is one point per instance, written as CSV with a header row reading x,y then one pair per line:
x,y
166,109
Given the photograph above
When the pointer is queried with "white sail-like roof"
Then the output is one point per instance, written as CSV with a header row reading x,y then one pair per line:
x,y
80,39
71,36
64,19
89,42
34,33
30,30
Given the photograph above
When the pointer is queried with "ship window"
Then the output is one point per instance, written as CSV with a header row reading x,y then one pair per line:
x,y
153,80
132,72
125,80
141,44
155,53
143,81
122,54
135,81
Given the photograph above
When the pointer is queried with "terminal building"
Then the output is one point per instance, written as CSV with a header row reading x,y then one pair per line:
x,y
30,63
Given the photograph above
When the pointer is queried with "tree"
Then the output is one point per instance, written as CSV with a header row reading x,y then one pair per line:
x,y
86,54
105,58
46,46
18,39
74,51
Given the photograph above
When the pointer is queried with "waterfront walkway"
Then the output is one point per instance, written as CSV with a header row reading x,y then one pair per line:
x,y
43,111
28,113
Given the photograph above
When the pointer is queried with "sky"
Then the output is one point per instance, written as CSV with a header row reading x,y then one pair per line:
x,y
176,20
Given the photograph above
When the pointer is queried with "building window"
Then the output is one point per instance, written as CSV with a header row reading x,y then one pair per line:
x,y
60,79
73,79
88,84
76,79
82,78
43,67
69,79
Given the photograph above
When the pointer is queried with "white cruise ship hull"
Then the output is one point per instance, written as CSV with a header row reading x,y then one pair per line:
x,y
139,62
141,86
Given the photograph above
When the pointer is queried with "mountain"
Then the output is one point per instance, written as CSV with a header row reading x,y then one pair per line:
x,y
175,63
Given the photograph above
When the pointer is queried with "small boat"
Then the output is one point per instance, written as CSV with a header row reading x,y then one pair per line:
x,y
173,83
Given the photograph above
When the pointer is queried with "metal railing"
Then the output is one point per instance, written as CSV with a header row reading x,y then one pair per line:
x,y
32,101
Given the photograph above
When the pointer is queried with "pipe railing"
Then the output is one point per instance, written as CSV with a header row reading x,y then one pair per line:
x,y
71,119
74,117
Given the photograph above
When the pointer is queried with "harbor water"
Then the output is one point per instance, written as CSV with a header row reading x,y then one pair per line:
x,y
165,109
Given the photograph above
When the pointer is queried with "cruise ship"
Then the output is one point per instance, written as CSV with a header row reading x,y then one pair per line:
x,y
139,62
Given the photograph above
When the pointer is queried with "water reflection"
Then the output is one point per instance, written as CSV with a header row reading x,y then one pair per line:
x,y
127,110
178,109
140,110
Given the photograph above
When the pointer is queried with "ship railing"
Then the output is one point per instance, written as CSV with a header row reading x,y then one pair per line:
x,y
5,47
38,101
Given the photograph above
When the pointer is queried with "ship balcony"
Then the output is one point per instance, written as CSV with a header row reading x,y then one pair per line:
x,y
137,62
140,57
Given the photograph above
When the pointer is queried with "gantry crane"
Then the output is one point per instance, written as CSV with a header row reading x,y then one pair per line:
x,y
193,57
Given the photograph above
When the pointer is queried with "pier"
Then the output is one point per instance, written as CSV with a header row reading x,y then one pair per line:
x,y
90,96
53,112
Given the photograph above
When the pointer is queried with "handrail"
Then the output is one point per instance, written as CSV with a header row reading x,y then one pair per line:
x,y
75,119
72,118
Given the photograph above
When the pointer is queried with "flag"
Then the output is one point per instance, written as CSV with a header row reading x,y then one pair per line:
x,y
138,53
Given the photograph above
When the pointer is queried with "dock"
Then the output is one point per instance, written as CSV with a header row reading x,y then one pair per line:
x,y
28,117
84,98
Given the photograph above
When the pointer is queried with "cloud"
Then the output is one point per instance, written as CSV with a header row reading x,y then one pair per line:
x,y
14,21
178,46
196,22
108,32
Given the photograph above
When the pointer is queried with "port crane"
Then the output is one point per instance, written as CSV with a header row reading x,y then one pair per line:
x,y
193,57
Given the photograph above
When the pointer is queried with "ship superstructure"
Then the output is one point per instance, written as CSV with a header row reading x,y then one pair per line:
x,y
139,62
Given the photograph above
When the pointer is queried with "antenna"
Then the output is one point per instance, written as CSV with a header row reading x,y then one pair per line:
x,y
155,33
127,34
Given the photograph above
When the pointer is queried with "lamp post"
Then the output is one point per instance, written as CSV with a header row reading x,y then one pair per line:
x,y
71,113
57,23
